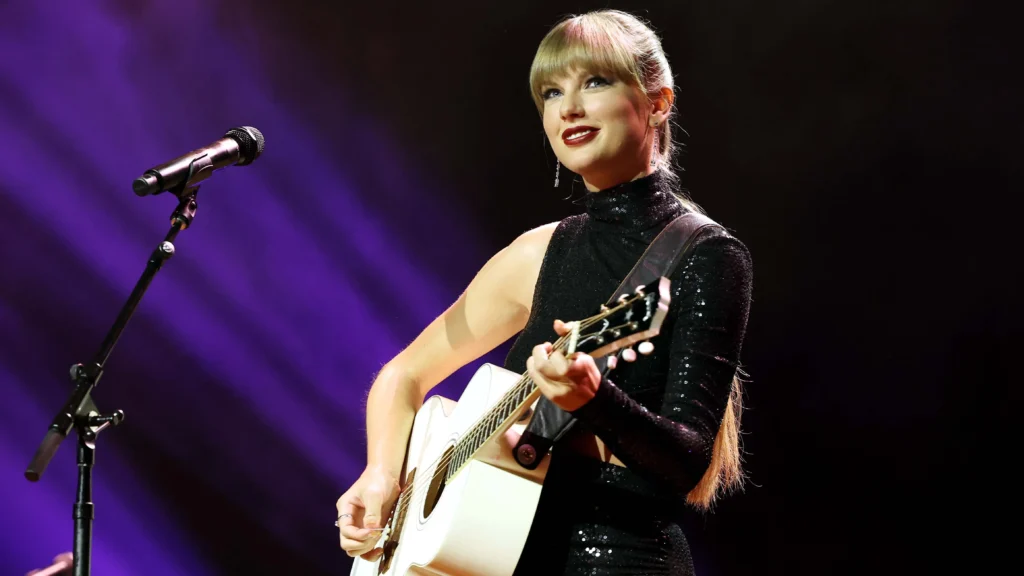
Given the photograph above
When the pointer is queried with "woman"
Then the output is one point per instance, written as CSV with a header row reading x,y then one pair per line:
x,y
651,434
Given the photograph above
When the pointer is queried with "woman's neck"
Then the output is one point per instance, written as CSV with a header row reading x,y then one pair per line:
x,y
599,182
632,206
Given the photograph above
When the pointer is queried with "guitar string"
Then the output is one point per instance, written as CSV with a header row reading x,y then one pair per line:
x,y
507,400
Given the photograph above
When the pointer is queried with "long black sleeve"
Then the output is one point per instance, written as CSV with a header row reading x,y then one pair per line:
x,y
672,444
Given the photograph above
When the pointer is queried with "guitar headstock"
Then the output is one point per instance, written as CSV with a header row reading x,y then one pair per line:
x,y
633,318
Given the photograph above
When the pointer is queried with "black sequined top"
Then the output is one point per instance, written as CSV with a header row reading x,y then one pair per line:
x,y
661,413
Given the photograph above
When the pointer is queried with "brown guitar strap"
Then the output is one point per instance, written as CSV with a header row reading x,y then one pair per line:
x,y
549,422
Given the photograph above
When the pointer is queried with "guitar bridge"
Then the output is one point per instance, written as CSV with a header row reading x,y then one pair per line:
x,y
395,526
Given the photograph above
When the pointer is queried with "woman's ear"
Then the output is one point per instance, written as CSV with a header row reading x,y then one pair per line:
x,y
661,102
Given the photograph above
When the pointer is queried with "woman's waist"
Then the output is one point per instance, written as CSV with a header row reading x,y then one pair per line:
x,y
582,458
588,445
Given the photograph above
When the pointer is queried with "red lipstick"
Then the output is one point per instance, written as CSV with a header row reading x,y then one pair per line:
x,y
578,135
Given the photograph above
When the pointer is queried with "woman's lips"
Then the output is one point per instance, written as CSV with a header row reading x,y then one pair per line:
x,y
579,135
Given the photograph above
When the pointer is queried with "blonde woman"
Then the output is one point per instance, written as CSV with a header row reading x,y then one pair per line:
x,y
653,433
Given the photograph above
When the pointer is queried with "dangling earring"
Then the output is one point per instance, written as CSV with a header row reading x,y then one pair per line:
x,y
654,148
558,165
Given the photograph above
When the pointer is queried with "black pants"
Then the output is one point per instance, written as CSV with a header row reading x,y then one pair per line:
x,y
598,519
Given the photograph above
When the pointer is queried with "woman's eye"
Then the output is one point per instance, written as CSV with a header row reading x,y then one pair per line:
x,y
549,93
597,81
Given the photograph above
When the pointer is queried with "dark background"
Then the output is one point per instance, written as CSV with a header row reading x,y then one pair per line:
x,y
864,151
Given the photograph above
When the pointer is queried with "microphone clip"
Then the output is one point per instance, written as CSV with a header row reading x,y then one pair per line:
x,y
185,212
198,170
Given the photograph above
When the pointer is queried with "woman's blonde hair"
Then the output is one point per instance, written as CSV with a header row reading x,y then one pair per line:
x,y
621,46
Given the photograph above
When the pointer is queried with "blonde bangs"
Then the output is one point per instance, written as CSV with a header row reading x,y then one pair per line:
x,y
582,43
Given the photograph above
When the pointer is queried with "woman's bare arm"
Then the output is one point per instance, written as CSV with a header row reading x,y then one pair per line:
x,y
493,308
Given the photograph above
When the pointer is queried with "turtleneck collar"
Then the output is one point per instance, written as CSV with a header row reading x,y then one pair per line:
x,y
636,205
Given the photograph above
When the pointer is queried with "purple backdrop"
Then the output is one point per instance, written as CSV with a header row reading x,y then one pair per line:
x,y
245,368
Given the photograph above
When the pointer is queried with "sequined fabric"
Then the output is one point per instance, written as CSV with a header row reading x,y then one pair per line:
x,y
660,414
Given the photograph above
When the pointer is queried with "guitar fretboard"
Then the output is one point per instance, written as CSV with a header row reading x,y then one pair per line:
x,y
492,422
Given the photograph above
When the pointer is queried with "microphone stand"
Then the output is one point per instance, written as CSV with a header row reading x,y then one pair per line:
x,y
80,412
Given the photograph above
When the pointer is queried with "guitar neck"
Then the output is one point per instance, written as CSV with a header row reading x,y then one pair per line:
x,y
493,423
632,318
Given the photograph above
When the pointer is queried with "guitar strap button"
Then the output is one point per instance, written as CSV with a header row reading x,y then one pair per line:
x,y
526,454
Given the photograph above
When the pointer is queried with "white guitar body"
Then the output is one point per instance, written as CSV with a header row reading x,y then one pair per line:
x,y
476,522
479,524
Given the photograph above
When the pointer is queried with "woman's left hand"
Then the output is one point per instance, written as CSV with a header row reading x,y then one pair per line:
x,y
568,382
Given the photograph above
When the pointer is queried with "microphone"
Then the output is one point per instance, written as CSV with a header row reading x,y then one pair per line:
x,y
240,146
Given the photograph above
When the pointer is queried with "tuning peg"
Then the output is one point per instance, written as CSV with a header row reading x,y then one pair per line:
x,y
629,354
645,348
613,361
639,290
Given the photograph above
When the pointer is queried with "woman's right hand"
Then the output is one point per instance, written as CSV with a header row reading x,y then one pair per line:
x,y
364,509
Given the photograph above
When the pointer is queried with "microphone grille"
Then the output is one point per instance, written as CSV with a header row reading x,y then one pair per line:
x,y
250,140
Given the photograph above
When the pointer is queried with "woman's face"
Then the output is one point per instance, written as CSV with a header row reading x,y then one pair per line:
x,y
599,127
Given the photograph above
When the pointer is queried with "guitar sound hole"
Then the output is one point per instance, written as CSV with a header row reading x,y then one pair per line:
x,y
437,483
